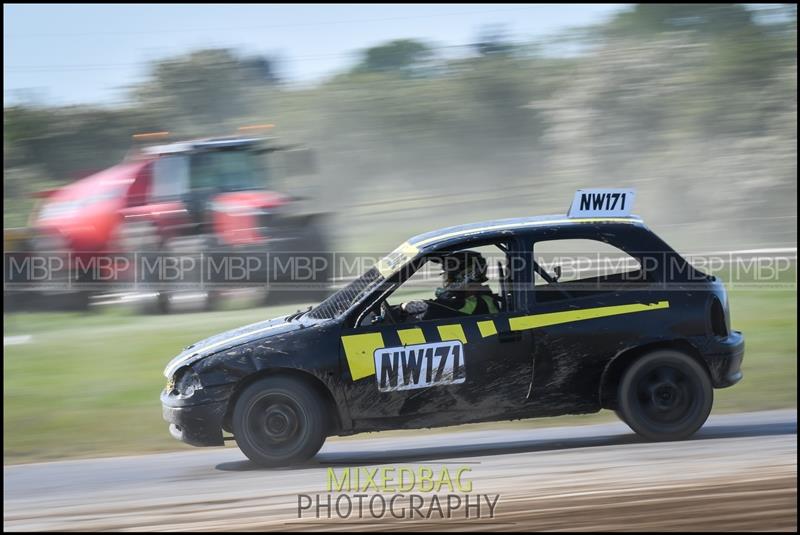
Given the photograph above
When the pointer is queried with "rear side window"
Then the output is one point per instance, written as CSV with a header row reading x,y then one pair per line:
x,y
579,259
570,268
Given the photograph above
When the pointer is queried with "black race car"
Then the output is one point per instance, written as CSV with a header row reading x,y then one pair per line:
x,y
650,339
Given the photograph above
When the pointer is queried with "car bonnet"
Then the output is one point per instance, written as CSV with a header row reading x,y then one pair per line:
x,y
228,339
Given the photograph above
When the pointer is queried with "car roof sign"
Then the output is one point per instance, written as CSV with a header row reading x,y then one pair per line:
x,y
602,202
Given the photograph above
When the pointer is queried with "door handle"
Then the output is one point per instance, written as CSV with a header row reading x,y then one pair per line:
x,y
509,336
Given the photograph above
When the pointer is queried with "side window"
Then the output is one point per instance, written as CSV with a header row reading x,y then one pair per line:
x,y
428,285
170,177
428,278
579,267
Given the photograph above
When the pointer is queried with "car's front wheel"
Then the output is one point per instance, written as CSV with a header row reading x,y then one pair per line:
x,y
665,395
279,421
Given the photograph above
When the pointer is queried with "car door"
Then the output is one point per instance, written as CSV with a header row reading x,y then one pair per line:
x,y
469,364
169,183
602,304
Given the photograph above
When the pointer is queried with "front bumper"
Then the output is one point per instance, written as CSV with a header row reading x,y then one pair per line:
x,y
196,424
724,358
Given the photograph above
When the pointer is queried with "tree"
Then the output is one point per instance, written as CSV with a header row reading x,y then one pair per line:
x,y
493,40
205,91
744,51
708,19
401,55
261,68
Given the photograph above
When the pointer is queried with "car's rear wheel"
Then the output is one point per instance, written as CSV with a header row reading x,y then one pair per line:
x,y
665,395
279,421
620,415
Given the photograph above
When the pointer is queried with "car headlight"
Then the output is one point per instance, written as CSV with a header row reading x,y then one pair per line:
x,y
186,382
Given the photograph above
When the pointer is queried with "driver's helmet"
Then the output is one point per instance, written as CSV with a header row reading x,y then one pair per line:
x,y
463,268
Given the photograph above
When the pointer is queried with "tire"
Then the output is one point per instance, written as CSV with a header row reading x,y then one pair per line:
x,y
665,395
137,237
620,415
79,300
279,421
166,297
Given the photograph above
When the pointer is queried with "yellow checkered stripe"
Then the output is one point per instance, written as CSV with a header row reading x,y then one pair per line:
x,y
359,348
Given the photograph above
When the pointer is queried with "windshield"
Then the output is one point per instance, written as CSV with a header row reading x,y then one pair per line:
x,y
228,170
338,303
341,301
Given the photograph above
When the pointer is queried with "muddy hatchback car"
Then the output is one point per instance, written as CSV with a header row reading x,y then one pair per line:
x,y
530,317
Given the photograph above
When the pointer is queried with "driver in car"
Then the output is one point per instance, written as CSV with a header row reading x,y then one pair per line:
x,y
463,290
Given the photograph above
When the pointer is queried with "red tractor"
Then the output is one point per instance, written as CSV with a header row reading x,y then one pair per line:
x,y
197,198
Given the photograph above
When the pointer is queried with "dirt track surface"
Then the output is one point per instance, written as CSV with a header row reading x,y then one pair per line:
x,y
738,473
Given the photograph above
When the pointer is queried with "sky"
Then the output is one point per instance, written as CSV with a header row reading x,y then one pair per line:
x,y
89,54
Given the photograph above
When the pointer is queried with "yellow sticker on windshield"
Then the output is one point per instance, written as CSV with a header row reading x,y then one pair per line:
x,y
391,263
